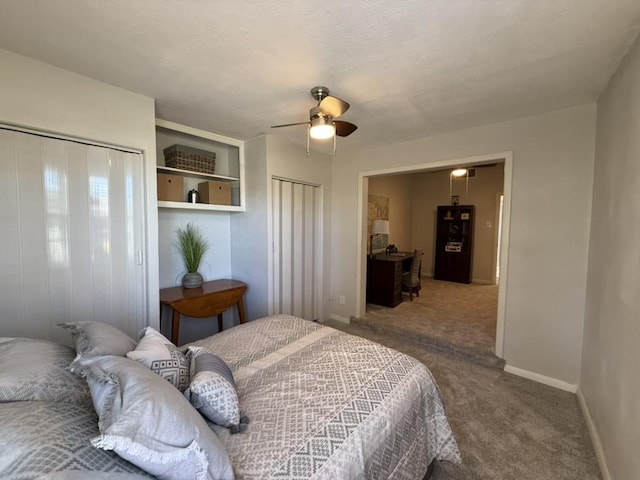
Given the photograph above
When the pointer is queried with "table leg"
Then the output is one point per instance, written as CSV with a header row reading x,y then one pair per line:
x,y
175,327
219,322
241,311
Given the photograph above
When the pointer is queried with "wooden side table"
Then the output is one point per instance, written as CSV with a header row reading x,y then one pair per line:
x,y
212,298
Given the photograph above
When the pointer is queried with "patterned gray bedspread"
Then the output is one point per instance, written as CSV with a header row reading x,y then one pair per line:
x,y
40,437
327,405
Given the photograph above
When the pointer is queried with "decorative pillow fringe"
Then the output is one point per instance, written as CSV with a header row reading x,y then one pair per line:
x,y
124,446
241,427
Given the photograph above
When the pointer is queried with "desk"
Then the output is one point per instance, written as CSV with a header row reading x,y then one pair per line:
x,y
384,278
212,298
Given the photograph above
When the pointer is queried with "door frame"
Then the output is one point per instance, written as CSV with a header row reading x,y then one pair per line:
x,y
361,248
497,239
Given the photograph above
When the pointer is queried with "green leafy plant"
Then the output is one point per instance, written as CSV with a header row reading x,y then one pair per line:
x,y
192,246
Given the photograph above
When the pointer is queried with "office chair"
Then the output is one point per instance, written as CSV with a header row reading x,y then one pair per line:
x,y
411,279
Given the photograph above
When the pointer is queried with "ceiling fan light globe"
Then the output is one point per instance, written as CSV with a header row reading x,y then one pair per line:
x,y
322,132
322,127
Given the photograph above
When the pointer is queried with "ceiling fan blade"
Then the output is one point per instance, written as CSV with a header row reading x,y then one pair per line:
x,y
290,124
344,129
333,106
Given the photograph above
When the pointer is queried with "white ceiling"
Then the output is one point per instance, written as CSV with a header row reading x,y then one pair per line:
x,y
410,69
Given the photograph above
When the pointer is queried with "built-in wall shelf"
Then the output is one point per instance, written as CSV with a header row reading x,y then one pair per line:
x,y
229,164
199,206
206,176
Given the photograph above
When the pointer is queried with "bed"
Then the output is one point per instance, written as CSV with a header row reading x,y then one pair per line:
x,y
319,404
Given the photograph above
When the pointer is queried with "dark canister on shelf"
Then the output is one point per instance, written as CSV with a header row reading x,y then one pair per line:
x,y
193,196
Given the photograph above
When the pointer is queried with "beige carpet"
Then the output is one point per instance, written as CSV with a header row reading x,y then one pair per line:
x,y
507,427
454,317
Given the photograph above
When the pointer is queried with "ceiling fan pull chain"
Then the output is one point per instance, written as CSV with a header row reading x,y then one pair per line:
x,y
308,136
334,143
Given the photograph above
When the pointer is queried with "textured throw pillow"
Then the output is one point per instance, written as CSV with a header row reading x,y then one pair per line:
x,y
157,353
212,390
91,339
148,422
32,369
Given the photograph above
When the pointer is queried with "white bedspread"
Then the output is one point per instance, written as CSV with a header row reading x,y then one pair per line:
x,y
327,405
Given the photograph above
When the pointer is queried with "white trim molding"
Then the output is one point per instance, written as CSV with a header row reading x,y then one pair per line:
x,y
536,377
338,318
480,281
595,437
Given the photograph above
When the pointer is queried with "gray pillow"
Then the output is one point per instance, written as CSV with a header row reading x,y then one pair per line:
x,y
32,369
148,422
92,339
157,353
212,390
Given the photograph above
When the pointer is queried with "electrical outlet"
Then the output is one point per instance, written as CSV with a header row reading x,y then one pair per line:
x,y
342,300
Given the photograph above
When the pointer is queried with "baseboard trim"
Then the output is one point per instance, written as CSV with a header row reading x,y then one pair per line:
x,y
595,437
536,377
480,281
338,318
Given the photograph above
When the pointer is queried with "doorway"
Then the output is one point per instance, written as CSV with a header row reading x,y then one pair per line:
x,y
499,258
297,273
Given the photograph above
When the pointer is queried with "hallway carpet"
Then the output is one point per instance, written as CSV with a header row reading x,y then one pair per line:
x,y
455,318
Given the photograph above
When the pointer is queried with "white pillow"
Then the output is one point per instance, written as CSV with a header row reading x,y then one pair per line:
x,y
212,390
91,339
157,353
149,423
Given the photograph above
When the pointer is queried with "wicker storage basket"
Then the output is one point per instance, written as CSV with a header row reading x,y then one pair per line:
x,y
189,158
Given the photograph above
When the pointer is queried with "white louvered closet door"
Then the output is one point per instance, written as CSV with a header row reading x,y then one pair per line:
x,y
73,233
297,245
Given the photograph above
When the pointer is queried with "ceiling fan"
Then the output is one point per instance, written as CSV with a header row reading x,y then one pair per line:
x,y
322,122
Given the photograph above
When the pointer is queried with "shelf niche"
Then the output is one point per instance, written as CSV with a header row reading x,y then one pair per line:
x,y
229,165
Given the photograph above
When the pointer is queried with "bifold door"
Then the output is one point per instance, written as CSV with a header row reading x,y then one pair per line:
x,y
72,237
297,245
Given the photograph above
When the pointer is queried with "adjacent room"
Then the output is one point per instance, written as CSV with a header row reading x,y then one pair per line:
x,y
458,264
369,239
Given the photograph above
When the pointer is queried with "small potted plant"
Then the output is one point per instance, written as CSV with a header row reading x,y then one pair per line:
x,y
192,247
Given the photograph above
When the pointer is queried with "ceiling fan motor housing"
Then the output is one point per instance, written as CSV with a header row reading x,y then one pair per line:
x,y
319,93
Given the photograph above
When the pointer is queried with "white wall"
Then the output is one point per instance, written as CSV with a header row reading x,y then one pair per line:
x,y
249,230
610,383
214,227
550,217
39,96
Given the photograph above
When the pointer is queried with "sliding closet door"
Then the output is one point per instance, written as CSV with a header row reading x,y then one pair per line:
x,y
296,249
73,234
